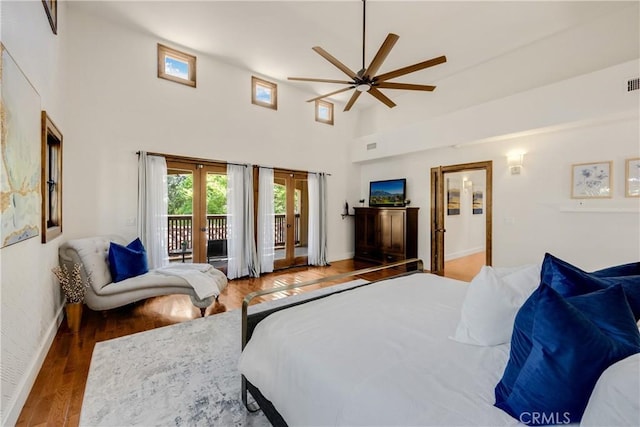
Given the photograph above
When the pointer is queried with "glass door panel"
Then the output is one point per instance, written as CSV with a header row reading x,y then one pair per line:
x,y
291,208
180,213
280,218
197,207
216,219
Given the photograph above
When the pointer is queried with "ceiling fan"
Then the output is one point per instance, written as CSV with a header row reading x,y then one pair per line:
x,y
366,79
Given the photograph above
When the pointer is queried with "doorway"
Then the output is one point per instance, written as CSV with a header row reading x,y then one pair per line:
x,y
291,222
454,196
197,216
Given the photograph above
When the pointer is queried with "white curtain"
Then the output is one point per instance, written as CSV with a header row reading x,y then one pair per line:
x,y
317,219
152,208
241,248
266,220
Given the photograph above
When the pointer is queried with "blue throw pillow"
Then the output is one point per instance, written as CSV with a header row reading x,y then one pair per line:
x,y
569,280
631,269
127,261
573,341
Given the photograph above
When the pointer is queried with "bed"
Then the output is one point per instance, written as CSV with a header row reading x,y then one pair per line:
x,y
381,354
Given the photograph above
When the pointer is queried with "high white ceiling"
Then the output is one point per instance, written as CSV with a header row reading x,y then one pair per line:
x,y
493,48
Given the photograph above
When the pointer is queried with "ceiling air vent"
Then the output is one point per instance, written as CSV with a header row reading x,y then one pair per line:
x,y
372,146
633,84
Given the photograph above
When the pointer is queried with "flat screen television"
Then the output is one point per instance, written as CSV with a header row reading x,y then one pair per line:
x,y
391,192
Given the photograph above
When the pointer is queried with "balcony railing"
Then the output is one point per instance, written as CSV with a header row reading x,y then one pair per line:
x,y
180,226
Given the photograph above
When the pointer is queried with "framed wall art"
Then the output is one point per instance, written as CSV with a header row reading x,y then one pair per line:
x,y
591,180
476,205
20,178
453,197
632,178
51,8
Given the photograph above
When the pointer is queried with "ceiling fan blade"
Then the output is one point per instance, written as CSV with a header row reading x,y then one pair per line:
x,y
381,55
329,94
407,86
352,100
410,69
305,79
381,97
326,55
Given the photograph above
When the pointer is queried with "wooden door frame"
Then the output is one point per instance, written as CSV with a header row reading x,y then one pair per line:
x,y
199,215
437,211
290,260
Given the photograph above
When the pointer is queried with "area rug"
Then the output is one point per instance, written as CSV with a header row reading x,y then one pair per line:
x,y
178,375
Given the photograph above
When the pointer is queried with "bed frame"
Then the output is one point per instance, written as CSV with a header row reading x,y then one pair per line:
x,y
250,321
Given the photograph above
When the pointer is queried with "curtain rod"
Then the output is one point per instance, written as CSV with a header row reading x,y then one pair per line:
x,y
198,159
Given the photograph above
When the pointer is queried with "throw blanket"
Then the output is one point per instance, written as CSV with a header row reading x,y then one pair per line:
x,y
203,278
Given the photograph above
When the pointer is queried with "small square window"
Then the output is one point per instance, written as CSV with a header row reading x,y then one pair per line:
x,y
324,112
176,66
264,93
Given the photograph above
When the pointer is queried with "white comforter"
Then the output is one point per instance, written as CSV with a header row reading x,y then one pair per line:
x,y
379,355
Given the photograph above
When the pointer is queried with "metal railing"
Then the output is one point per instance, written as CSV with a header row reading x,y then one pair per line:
x,y
179,230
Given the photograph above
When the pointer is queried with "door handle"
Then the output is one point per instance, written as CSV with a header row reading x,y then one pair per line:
x,y
288,225
440,230
204,229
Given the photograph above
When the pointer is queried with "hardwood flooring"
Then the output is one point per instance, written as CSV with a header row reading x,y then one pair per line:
x,y
56,397
465,268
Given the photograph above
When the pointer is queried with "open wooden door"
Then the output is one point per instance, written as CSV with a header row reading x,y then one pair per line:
x,y
438,206
437,221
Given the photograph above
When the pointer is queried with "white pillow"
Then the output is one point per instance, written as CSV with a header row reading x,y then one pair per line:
x,y
615,400
494,297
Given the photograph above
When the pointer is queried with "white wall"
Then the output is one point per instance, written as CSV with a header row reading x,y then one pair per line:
x,y
530,210
31,300
465,233
589,98
119,106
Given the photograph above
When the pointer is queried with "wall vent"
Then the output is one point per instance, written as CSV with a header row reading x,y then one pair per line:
x,y
372,146
633,84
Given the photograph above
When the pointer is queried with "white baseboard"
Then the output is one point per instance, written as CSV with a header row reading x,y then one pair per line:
x,y
341,257
24,388
463,253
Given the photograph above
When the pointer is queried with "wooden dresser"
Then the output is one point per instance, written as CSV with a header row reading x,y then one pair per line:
x,y
386,234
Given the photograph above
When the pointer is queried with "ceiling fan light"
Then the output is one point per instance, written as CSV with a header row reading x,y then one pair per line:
x,y
363,87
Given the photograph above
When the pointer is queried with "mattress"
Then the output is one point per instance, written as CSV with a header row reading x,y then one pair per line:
x,y
378,355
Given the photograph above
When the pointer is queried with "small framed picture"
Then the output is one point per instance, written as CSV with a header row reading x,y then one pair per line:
x,y
453,197
51,8
179,67
632,177
591,180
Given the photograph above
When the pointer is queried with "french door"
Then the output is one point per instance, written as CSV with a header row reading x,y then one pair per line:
x,y
197,226
291,221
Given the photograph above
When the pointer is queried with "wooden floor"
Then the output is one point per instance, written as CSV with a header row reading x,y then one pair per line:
x,y
465,268
56,397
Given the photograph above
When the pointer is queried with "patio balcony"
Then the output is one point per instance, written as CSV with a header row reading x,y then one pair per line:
x,y
180,230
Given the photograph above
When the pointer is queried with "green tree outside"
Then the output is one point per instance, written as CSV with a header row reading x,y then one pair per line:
x,y
180,192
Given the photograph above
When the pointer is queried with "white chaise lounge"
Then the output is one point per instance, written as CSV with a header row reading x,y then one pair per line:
x,y
103,294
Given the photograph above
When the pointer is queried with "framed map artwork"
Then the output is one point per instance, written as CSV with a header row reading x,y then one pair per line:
x,y
20,201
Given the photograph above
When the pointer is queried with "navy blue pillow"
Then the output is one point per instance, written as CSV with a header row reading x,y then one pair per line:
x,y
127,261
573,341
569,280
631,269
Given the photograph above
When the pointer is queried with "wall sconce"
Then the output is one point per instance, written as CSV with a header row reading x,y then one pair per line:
x,y
515,163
